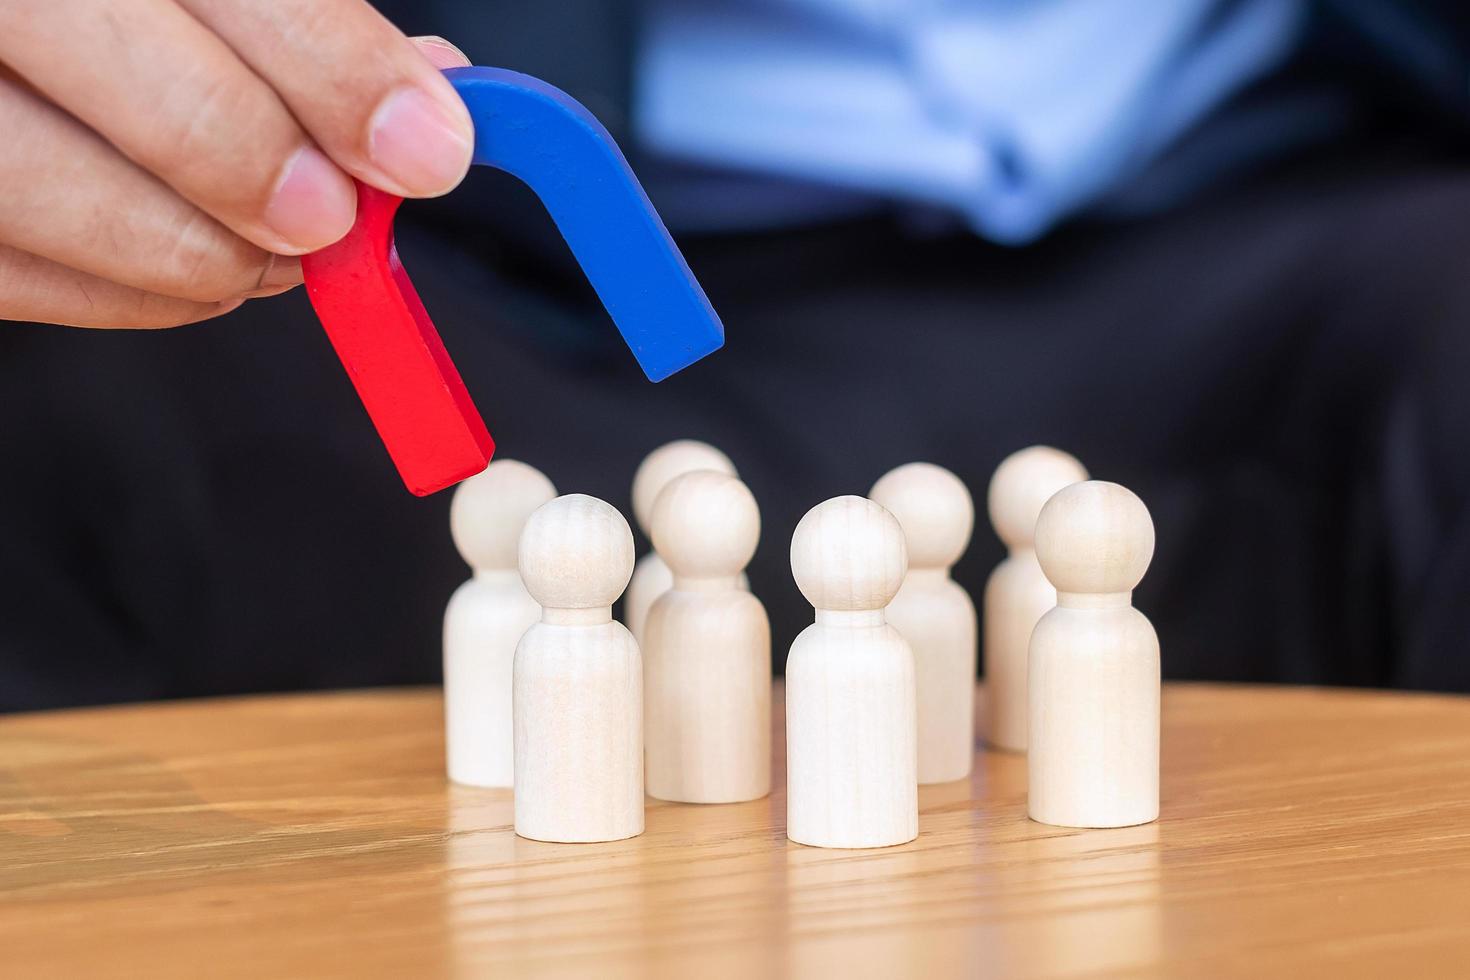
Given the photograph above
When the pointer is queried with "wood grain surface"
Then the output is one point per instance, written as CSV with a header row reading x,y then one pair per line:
x,y
1304,833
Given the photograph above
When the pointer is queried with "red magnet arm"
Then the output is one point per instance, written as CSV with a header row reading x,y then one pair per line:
x,y
393,354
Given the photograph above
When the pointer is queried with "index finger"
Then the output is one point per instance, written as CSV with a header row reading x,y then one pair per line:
x,y
371,100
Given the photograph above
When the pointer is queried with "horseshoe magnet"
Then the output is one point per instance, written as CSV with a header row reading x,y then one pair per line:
x,y
383,334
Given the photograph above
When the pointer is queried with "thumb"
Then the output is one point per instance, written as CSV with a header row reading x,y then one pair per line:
x,y
441,53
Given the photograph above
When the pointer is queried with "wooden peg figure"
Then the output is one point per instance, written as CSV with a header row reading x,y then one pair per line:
x,y
1017,593
851,732
1094,679
578,680
486,618
934,613
651,577
707,649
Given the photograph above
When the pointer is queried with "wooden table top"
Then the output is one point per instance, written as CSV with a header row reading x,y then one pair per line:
x,y
1304,832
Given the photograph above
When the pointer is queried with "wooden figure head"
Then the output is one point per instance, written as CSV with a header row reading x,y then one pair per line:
x,y
935,509
706,525
1022,484
490,509
848,554
576,552
1094,537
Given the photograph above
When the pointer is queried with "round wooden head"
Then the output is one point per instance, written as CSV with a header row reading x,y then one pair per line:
x,y
935,509
1094,537
490,509
576,552
1022,484
668,461
706,525
848,554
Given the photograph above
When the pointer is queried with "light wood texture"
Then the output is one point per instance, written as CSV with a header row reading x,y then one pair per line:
x,y
578,680
707,649
1017,594
851,730
486,618
934,613
1094,677
651,579
1304,833
651,576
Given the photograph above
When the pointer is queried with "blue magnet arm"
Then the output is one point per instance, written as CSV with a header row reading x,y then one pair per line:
x,y
547,139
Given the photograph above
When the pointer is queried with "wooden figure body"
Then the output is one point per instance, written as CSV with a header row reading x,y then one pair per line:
x,y
1094,678
1017,594
485,620
651,576
707,649
851,730
935,614
578,680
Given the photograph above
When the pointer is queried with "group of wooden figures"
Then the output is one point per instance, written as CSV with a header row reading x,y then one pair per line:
x,y
546,693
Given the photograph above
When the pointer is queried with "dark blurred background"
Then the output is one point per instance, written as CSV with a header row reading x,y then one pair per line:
x,y
1218,250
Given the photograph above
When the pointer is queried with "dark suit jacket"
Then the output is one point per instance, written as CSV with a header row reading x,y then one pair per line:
x,y
1277,366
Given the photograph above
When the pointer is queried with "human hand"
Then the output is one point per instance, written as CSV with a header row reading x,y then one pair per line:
x,y
162,161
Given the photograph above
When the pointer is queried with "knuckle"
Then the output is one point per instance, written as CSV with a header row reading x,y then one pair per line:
x,y
206,263
184,123
221,137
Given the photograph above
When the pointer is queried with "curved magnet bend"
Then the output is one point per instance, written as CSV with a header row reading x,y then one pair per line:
x,y
384,336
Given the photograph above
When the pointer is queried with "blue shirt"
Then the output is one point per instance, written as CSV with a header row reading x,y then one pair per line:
x,y
1010,114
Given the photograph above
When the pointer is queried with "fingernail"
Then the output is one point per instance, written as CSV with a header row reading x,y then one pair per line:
x,y
313,204
419,145
441,52
281,272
